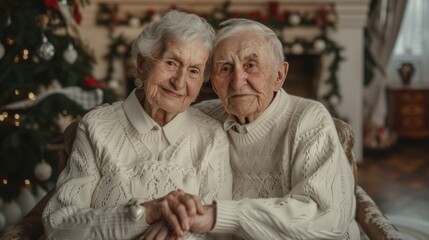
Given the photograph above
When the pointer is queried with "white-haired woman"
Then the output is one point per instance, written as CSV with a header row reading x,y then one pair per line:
x,y
129,159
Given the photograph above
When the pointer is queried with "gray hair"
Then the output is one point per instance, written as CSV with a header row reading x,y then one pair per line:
x,y
176,26
230,27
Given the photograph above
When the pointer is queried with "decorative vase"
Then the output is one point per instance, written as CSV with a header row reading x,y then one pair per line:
x,y
406,72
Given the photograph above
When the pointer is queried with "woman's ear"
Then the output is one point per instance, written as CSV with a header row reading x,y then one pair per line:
x,y
140,65
281,76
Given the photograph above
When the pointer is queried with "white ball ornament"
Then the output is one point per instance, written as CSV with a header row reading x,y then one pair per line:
x,y
319,45
2,222
70,54
2,51
294,19
26,200
156,17
334,100
297,49
46,50
12,212
134,22
43,171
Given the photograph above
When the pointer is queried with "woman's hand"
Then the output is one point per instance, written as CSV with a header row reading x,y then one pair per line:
x,y
159,231
177,208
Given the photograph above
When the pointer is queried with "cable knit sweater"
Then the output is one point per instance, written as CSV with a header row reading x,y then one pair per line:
x,y
121,158
291,178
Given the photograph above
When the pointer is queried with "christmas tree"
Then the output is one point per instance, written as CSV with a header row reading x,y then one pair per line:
x,y
45,83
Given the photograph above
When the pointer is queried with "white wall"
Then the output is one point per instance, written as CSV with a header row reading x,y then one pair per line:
x,y
352,17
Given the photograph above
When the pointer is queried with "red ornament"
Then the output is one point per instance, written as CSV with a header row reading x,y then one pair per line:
x,y
265,18
52,3
235,14
321,17
273,8
77,15
255,15
93,83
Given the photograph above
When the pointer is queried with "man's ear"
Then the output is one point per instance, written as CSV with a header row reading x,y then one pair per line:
x,y
281,76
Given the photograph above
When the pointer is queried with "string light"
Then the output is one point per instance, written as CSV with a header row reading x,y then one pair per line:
x,y
64,112
10,41
32,96
27,182
16,59
16,123
25,54
16,92
3,116
16,116
4,181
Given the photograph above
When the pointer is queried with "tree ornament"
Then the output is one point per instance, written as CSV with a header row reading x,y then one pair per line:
x,y
12,212
334,100
26,201
43,171
319,45
155,17
2,222
134,22
297,49
46,50
294,19
8,20
2,50
43,21
70,54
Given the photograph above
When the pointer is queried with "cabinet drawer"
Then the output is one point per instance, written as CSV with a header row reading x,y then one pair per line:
x,y
412,97
412,109
413,123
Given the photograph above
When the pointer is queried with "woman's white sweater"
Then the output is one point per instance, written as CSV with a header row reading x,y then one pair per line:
x,y
121,158
291,177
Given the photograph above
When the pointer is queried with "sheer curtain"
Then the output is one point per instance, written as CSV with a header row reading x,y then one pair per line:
x,y
383,26
413,43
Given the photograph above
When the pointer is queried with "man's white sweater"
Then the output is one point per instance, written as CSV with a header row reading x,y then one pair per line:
x,y
291,176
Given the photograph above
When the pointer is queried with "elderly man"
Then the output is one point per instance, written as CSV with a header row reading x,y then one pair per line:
x,y
291,176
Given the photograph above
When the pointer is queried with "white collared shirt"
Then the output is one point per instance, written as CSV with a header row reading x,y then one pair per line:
x,y
232,123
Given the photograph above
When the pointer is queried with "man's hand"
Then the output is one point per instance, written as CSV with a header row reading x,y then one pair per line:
x,y
176,208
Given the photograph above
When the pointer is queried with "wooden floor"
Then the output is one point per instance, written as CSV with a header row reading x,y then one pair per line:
x,y
398,180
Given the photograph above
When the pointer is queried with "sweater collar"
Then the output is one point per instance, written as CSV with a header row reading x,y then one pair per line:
x,y
143,123
232,123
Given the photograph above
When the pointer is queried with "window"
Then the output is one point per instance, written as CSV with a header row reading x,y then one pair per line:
x,y
412,44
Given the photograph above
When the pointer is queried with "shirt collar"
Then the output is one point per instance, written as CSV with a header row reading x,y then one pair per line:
x,y
143,123
232,123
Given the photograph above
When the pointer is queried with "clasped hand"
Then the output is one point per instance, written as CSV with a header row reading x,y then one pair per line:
x,y
172,216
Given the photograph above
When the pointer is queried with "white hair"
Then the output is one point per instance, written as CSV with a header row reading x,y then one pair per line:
x,y
231,27
176,26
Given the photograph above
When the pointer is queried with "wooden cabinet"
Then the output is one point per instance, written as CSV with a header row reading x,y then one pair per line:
x,y
409,110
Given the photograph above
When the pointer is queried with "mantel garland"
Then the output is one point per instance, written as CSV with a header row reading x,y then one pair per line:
x,y
323,18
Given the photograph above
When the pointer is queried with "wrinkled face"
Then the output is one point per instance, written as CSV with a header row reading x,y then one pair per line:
x,y
173,80
244,75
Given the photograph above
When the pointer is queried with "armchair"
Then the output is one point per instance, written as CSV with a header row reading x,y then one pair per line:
x,y
373,223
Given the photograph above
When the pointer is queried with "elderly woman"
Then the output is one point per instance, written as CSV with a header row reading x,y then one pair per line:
x,y
128,156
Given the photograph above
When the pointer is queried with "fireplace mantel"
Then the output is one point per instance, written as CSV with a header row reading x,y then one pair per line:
x,y
349,34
